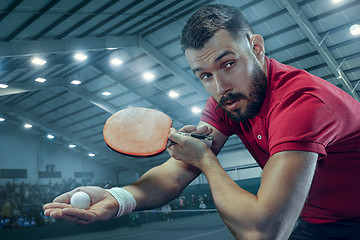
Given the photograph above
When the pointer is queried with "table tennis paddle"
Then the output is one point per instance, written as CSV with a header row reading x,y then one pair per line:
x,y
141,132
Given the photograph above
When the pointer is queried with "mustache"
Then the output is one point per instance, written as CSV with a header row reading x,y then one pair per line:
x,y
231,97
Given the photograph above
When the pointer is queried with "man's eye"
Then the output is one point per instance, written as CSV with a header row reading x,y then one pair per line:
x,y
205,76
228,64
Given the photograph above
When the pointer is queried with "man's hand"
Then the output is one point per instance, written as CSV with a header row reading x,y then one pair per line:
x,y
103,206
191,150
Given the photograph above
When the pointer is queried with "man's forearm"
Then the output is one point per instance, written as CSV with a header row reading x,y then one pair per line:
x,y
272,213
161,184
236,206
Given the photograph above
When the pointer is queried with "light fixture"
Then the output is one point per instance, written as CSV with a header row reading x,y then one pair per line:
x,y
148,76
75,82
91,155
28,125
355,29
2,119
40,80
50,136
38,61
195,110
116,61
106,93
117,58
337,1
80,56
173,94
72,146
3,85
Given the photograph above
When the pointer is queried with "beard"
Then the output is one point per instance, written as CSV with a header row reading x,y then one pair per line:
x,y
255,98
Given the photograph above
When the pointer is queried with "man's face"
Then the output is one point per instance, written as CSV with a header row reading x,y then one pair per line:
x,y
230,72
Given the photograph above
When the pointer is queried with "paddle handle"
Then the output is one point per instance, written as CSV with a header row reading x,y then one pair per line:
x,y
206,139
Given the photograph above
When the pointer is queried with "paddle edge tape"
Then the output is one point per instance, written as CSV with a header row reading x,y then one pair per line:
x,y
134,154
138,156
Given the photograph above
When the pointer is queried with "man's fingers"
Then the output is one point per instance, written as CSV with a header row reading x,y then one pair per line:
x,y
188,129
55,205
177,138
64,198
77,219
83,216
204,130
78,216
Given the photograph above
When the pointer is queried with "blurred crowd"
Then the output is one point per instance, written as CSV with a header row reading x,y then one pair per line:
x,y
21,203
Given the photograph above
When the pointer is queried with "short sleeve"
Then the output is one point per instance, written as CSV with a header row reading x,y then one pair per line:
x,y
301,122
216,117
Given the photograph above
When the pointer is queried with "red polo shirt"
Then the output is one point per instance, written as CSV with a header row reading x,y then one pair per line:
x,y
306,113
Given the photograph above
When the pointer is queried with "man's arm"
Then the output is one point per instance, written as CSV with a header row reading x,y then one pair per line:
x,y
272,213
162,184
173,176
156,187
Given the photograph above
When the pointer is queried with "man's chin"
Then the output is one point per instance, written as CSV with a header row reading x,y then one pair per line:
x,y
240,115
236,115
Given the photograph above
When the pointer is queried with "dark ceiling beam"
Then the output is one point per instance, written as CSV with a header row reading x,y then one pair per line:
x,y
110,18
9,9
175,17
129,18
30,21
88,18
146,19
61,19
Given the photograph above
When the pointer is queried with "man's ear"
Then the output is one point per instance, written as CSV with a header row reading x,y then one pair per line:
x,y
258,47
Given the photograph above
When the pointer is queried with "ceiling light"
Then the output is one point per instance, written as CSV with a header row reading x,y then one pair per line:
x,y
38,61
173,94
2,119
3,85
106,93
80,56
111,48
336,1
116,61
91,155
355,29
148,76
40,80
28,125
75,82
196,110
50,136
72,146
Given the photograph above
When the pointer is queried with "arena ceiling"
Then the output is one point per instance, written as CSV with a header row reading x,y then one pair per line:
x,y
313,35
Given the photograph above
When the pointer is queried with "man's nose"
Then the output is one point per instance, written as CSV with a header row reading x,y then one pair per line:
x,y
222,85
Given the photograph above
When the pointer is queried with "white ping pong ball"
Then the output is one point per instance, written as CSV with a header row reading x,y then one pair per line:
x,y
80,200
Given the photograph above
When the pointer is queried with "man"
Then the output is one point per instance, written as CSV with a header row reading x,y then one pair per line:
x,y
303,131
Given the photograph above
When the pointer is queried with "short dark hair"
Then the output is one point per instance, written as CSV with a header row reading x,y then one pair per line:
x,y
206,21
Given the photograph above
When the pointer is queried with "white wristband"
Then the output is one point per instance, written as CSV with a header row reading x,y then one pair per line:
x,y
127,202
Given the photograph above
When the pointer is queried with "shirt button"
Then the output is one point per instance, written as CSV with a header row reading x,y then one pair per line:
x,y
259,137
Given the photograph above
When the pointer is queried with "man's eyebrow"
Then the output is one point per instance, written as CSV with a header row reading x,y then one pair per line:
x,y
196,70
216,60
223,55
